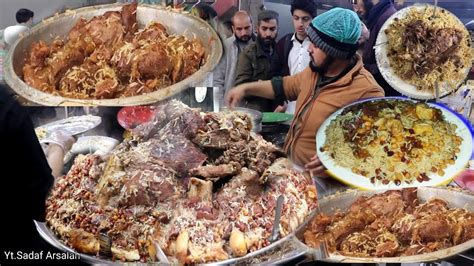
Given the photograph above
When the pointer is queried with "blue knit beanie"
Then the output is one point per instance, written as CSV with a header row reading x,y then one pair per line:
x,y
336,32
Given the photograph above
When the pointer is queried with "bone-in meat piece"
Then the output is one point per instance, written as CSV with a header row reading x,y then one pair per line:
x,y
215,172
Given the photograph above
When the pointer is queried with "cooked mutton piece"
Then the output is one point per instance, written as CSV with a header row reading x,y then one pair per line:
x,y
178,153
350,223
215,172
216,139
147,187
200,189
280,167
129,20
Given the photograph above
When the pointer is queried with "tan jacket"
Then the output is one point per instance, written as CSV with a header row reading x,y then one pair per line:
x,y
312,107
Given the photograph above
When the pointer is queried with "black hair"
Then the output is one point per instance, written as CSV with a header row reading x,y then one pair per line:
x,y
308,6
23,15
206,11
267,15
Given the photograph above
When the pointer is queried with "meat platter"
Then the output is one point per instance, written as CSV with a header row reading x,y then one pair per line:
x,y
59,26
91,144
201,186
455,198
421,47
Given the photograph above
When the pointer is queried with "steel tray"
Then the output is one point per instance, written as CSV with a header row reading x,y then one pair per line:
x,y
454,197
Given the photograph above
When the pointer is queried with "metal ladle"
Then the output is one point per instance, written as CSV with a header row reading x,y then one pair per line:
x,y
276,222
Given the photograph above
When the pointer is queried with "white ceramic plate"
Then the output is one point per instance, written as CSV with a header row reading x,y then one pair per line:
x,y
74,125
387,72
346,176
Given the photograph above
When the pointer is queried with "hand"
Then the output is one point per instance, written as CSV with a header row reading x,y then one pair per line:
x,y
235,95
315,167
281,108
61,138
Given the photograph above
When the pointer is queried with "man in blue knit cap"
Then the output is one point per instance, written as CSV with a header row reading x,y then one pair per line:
x,y
334,78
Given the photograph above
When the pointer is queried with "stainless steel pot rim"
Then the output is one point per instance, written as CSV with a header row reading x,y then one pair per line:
x,y
190,24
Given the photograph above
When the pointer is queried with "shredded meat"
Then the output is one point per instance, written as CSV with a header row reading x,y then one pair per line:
x,y
430,47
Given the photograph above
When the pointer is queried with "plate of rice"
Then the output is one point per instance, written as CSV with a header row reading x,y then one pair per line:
x,y
421,46
394,142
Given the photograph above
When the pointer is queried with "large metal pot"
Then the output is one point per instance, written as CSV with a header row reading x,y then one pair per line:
x,y
343,200
59,25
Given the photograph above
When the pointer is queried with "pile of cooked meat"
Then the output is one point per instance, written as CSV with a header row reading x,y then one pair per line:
x,y
392,224
429,48
184,140
199,185
109,57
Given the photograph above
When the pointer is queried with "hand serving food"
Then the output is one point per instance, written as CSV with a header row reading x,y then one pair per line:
x,y
316,168
62,138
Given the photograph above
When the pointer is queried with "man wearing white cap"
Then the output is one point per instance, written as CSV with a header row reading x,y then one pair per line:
x,y
335,78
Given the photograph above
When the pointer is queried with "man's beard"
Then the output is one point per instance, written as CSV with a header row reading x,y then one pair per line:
x,y
323,68
267,42
243,39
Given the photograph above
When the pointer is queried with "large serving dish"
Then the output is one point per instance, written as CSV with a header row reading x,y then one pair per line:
x,y
348,177
342,201
395,81
280,251
176,22
153,161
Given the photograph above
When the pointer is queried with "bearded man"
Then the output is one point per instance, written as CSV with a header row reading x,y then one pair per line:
x,y
259,61
224,75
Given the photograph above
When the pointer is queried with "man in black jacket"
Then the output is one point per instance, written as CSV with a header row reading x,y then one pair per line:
x,y
259,60
26,181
